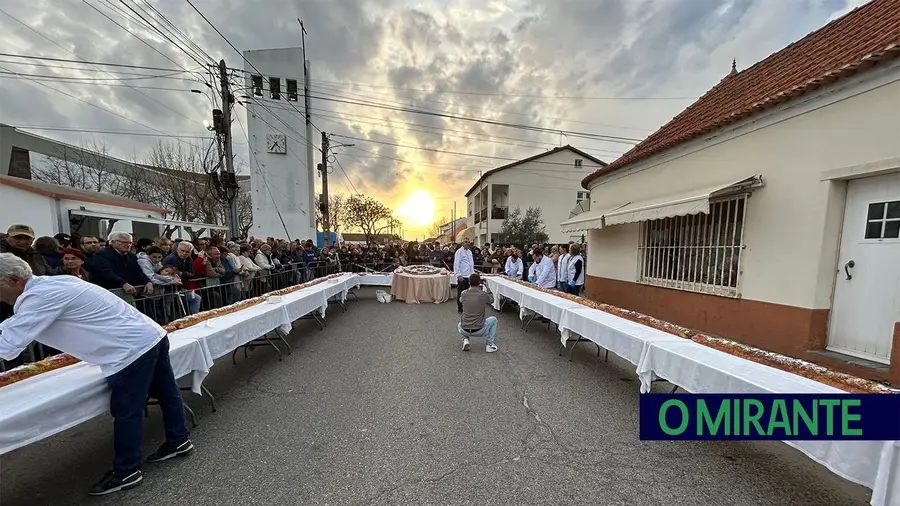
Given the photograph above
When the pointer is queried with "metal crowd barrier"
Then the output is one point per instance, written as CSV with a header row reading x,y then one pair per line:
x,y
171,302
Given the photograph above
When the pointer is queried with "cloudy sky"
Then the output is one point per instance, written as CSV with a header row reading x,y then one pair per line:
x,y
618,68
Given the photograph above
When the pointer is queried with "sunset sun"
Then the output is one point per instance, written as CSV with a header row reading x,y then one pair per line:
x,y
418,209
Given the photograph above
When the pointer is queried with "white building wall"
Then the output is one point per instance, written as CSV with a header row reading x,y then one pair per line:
x,y
27,208
280,182
792,226
550,183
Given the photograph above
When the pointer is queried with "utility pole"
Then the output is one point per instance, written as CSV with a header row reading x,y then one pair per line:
x,y
228,180
310,160
453,224
323,205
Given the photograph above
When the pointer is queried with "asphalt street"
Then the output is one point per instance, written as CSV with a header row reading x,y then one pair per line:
x,y
384,408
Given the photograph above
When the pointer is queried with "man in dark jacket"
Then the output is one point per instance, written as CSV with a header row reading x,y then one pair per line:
x,y
18,242
115,266
182,260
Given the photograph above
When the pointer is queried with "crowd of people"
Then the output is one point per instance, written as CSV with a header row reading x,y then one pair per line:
x,y
169,278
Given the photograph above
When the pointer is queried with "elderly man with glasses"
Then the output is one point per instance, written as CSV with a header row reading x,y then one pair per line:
x,y
97,327
116,267
183,261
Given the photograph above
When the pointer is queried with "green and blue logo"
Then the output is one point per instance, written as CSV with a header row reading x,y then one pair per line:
x,y
872,417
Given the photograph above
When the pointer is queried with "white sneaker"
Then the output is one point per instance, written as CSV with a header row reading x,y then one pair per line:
x,y
491,348
466,344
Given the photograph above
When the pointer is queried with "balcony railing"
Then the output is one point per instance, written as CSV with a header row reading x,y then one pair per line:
x,y
498,213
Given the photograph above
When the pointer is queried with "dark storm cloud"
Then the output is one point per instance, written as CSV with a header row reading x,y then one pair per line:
x,y
520,47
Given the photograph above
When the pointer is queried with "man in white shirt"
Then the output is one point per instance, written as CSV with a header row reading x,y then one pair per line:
x,y
514,265
463,267
545,272
562,269
93,325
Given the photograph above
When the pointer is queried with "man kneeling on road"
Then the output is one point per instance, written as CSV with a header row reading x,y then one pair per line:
x,y
100,328
472,322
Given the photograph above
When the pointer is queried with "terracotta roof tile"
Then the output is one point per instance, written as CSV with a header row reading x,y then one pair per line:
x,y
853,42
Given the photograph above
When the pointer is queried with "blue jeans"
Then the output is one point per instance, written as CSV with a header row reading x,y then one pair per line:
x,y
193,302
149,376
489,330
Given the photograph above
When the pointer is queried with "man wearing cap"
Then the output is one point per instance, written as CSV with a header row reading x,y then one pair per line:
x,y
64,240
18,242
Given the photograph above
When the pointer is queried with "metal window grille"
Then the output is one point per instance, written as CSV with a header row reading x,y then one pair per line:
x,y
697,253
292,90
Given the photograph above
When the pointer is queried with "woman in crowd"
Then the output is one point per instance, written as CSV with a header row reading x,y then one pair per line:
x,y
48,248
150,261
165,244
249,269
73,263
231,277
210,265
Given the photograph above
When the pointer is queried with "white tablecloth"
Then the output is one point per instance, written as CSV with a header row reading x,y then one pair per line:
x,y
376,279
701,369
625,338
39,407
44,405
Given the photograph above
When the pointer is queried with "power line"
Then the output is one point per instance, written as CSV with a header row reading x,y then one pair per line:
x,y
457,153
470,106
81,69
73,53
185,51
108,131
183,37
585,135
100,80
88,83
486,138
126,118
511,95
599,137
85,62
136,36
346,176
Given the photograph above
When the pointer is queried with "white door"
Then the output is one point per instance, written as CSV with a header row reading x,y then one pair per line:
x,y
867,291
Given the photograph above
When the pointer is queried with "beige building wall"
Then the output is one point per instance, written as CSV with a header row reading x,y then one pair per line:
x,y
792,226
551,183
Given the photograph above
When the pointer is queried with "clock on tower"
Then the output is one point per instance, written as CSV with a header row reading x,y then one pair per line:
x,y
276,143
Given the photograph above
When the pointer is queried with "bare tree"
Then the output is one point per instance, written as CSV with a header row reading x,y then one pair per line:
x,y
434,230
89,167
245,213
181,183
368,215
337,210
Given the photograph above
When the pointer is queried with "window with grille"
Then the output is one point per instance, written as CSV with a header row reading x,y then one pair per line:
x,y
698,253
275,88
578,162
581,197
257,85
291,90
